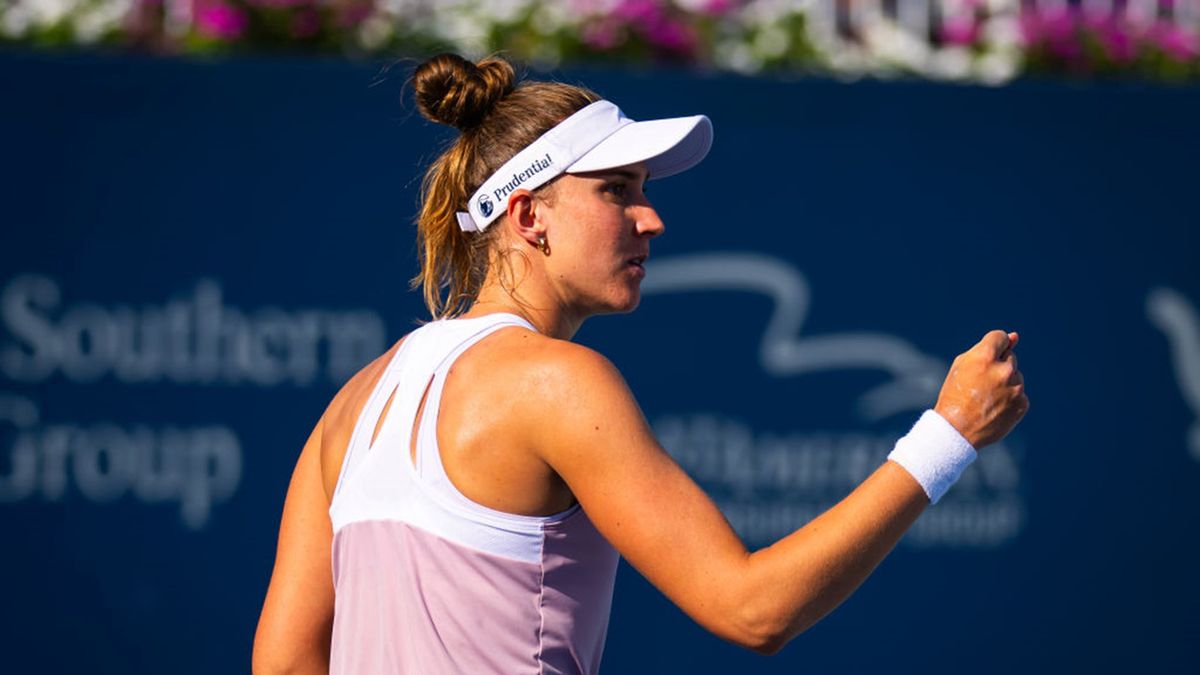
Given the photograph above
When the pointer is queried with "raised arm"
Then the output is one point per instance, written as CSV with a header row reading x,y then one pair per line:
x,y
668,528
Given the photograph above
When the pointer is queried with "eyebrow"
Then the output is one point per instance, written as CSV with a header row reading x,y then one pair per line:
x,y
624,173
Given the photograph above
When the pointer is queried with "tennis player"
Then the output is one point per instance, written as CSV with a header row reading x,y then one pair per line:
x,y
461,505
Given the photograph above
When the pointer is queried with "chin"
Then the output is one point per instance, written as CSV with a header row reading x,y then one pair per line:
x,y
622,305
627,309
630,304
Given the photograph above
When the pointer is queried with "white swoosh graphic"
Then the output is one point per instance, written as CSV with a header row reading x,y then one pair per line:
x,y
1171,313
783,352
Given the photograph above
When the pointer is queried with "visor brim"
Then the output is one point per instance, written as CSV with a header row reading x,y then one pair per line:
x,y
667,146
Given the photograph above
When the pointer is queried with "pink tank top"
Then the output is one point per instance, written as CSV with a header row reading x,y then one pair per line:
x,y
428,581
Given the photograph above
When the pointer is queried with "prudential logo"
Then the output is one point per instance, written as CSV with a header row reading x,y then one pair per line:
x,y
485,205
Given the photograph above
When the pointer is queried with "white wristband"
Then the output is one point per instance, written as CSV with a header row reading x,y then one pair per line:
x,y
934,453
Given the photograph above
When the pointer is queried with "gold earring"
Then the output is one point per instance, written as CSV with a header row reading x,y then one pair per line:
x,y
543,246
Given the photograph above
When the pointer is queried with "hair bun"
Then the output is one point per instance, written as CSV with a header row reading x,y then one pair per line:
x,y
452,90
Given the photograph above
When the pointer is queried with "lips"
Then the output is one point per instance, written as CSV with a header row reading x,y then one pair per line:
x,y
635,266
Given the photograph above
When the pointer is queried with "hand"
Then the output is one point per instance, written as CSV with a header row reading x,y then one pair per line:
x,y
984,393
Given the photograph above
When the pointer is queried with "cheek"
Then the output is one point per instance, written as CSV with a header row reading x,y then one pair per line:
x,y
591,247
588,238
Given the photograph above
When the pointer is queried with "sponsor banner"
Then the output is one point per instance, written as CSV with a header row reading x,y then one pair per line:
x,y
185,285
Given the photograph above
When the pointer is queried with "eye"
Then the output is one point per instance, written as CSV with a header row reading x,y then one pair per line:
x,y
622,188
617,188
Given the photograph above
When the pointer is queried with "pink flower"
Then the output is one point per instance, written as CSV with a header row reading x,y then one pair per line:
x,y
1114,35
650,20
671,34
638,10
1176,41
1032,27
601,35
960,30
218,20
719,7
1118,44
1060,25
281,4
1056,30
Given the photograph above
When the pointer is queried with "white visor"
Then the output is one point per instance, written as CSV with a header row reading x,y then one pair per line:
x,y
597,137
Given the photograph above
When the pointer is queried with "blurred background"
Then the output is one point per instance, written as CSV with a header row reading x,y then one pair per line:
x,y
207,228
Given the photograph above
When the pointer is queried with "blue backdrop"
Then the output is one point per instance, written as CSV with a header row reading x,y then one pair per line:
x,y
196,255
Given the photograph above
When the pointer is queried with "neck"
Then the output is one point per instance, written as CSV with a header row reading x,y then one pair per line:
x,y
530,301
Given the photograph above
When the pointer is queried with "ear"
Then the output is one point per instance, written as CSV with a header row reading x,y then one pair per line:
x,y
523,216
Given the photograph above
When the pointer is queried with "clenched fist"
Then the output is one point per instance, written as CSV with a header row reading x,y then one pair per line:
x,y
984,393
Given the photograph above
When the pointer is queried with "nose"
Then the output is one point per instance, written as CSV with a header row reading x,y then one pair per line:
x,y
647,221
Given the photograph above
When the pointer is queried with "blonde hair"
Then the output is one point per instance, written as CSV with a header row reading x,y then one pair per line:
x,y
497,117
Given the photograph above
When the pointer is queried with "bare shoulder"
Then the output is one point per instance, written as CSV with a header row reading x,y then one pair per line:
x,y
545,393
546,369
337,424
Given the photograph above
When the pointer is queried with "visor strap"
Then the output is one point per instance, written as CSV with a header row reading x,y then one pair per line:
x,y
542,161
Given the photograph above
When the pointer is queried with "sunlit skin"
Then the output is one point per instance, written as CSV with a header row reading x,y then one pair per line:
x,y
530,423
594,224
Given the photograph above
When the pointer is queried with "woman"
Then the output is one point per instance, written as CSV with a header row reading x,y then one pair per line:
x,y
476,482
